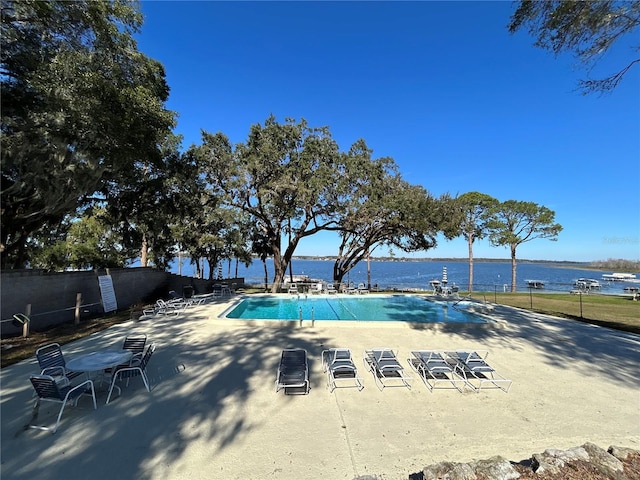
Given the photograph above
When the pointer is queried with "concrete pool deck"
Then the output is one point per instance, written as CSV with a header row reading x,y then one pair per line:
x,y
213,411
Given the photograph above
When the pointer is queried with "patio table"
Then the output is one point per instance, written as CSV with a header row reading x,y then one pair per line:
x,y
99,361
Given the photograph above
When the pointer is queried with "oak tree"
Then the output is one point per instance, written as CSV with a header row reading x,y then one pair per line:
x,y
80,104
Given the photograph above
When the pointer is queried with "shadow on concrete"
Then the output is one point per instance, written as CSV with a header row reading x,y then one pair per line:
x,y
201,383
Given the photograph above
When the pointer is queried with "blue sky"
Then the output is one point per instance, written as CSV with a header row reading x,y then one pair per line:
x,y
441,87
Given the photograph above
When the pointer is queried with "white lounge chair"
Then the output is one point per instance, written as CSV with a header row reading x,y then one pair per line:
x,y
165,308
386,369
331,289
340,369
433,369
293,289
476,372
362,289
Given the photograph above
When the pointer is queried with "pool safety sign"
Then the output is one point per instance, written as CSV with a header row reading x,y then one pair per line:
x,y
108,294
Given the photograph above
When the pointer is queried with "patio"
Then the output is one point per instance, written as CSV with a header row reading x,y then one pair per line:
x,y
213,411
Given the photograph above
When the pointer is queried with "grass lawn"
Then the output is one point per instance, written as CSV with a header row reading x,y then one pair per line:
x,y
614,311
617,312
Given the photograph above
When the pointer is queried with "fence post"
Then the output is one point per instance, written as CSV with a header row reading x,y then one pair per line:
x,y
78,304
25,325
580,295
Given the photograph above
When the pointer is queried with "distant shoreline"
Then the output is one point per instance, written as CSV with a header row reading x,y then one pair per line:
x,y
447,259
555,263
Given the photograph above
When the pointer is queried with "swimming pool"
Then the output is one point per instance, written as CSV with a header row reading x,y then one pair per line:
x,y
370,308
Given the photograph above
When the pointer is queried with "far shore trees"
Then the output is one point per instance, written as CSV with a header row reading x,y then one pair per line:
x,y
477,210
517,222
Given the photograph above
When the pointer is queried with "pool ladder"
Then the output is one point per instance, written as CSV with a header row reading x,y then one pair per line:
x,y
313,321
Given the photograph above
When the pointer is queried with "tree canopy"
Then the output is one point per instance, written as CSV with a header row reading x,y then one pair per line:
x,y
384,209
477,210
80,105
286,177
516,222
587,29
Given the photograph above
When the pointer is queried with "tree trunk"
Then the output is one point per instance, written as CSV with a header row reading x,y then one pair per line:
x,y
198,272
280,268
513,268
470,241
144,259
281,261
266,274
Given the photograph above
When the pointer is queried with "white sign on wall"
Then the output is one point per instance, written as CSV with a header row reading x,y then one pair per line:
x,y
107,292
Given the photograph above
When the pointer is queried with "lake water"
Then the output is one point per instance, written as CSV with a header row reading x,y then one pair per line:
x,y
488,276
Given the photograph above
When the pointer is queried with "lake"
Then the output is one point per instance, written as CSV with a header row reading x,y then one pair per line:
x,y
488,276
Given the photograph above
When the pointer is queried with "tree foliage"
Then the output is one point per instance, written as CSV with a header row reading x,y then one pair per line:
x,y
80,105
383,209
145,203
286,177
585,28
476,211
89,242
517,222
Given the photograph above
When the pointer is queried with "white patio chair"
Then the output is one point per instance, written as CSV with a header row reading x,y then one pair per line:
x,y
47,390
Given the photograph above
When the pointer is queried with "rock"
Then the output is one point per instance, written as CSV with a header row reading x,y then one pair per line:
x,y
496,468
603,461
552,459
621,453
449,471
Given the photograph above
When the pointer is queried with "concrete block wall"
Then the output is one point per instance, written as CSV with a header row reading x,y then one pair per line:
x,y
52,296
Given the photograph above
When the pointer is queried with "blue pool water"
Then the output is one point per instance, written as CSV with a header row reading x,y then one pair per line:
x,y
402,308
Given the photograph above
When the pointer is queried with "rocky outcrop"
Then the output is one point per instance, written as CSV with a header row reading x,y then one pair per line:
x,y
607,463
551,461
493,468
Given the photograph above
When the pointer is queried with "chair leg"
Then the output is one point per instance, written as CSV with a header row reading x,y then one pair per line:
x,y
93,396
113,382
55,428
145,380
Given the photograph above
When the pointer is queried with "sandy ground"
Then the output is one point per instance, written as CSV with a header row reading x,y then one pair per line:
x,y
213,411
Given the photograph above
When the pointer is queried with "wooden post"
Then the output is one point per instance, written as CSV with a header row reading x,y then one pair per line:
x,y
78,304
25,325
